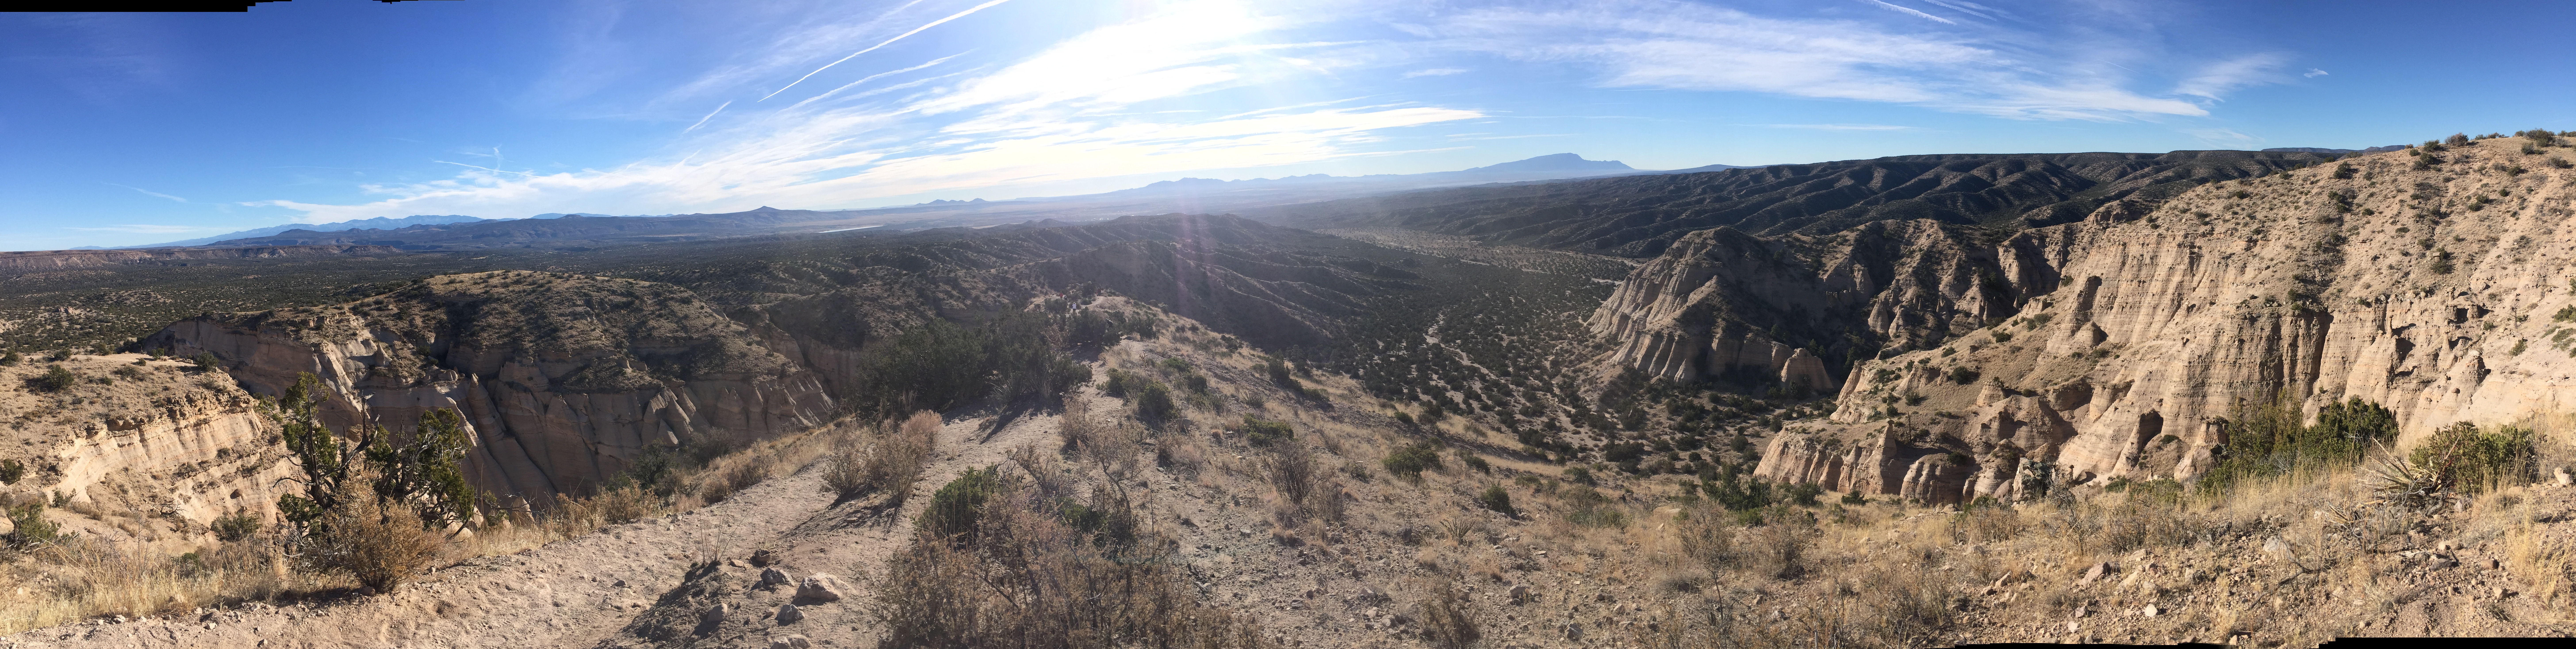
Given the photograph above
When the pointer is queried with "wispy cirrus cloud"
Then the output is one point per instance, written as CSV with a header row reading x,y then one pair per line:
x,y
150,193
1434,72
142,229
1843,127
2217,79
1683,46
1095,105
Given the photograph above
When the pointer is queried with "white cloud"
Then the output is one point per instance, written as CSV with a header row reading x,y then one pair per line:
x,y
1913,12
142,229
2224,138
1646,44
150,193
1435,72
1096,105
2221,77
1844,127
2314,73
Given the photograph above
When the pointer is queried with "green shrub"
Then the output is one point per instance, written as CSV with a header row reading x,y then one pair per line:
x,y
1474,461
955,508
1962,375
2461,456
2344,170
11,358
1853,497
1803,494
1264,432
1153,401
1498,499
55,379
206,360
33,531
1587,507
1578,475
235,526
1411,460
2270,440
11,470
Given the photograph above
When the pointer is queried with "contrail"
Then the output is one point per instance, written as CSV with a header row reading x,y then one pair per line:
x,y
702,121
890,41
874,77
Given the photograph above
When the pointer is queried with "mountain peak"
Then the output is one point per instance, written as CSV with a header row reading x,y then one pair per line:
x,y
1558,162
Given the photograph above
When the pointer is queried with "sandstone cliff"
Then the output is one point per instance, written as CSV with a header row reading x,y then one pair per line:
x,y
2436,289
565,379
161,441
1792,307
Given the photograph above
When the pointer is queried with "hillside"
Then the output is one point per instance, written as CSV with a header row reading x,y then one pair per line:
x,y
1638,216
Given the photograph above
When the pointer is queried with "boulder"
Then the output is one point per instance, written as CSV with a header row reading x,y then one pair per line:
x,y
787,614
790,642
773,577
819,588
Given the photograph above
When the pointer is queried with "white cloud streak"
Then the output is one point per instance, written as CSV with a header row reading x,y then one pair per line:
x,y
1435,72
150,193
890,41
2220,78
1843,127
702,121
1671,45
1914,12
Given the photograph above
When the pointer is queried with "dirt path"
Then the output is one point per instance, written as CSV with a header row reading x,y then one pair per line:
x,y
594,590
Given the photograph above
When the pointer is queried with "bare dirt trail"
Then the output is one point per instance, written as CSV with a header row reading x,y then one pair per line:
x,y
591,591
568,593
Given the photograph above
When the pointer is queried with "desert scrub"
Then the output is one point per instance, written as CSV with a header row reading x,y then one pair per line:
x,y
1586,506
1412,459
2463,457
885,458
1265,432
1498,500
996,562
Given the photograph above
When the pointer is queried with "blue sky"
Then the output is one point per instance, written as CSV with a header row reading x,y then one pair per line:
x,y
128,129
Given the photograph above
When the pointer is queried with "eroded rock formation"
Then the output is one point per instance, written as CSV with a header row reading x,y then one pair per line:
x,y
2436,290
155,439
564,379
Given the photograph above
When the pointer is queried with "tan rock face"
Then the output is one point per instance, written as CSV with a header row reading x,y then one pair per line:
x,y
161,438
564,379
2439,293
1721,301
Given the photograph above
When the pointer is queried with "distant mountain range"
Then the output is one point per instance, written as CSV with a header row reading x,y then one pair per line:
x,y
378,222
1186,195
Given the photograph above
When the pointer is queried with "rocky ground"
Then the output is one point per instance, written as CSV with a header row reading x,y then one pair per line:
x,y
2293,565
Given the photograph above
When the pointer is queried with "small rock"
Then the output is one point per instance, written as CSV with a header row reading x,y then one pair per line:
x,y
772,577
2152,611
2565,478
2070,626
790,642
787,614
2445,546
763,558
1602,597
820,587
716,615
2441,563
2080,610
2013,576
2095,573
2494,564
2276,545
1520,593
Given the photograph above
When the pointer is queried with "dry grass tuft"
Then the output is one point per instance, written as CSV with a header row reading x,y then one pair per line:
x,y
883,459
